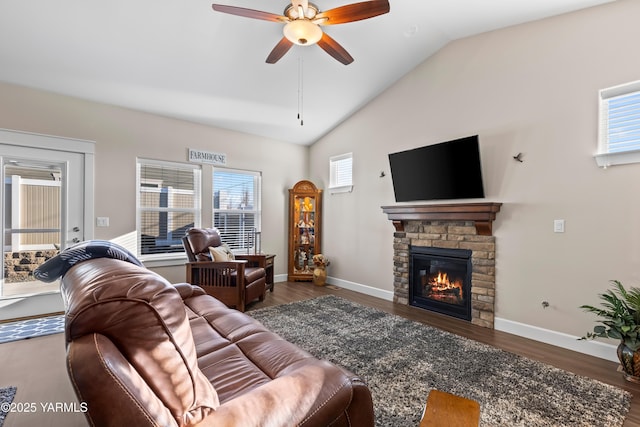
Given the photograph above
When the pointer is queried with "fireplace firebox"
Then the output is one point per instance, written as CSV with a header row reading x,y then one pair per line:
x,y
440,280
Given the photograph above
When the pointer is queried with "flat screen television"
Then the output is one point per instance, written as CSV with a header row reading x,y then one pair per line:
x,y
449,170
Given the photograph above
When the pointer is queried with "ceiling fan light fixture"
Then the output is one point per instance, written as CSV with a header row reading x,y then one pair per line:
x,y
302,32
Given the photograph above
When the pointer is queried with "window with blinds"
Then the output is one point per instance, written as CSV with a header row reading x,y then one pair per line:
x,y
619,133
237,208
168,205
341,173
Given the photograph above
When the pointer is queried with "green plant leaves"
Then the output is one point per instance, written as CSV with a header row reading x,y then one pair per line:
x,y
620,315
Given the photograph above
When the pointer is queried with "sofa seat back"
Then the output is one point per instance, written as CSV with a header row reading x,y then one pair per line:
x,y
130,349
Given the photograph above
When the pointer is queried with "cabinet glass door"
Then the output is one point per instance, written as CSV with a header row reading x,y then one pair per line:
x,y
305,215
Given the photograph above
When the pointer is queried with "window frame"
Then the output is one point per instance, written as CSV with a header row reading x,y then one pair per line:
x,y
196,210
255,241
604,156
336,168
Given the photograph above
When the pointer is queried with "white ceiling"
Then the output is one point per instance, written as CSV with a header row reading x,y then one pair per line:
x,y
179,58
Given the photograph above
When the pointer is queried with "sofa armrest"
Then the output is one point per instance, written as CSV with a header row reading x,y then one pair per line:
x,y
218,264
197,271
222,280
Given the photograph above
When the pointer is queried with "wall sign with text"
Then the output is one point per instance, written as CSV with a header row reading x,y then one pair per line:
x,y
200,156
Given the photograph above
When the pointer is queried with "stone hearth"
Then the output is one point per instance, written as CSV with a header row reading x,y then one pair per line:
x,y
459,226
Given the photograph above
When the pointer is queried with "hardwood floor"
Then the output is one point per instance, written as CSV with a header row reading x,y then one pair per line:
x,y
37,366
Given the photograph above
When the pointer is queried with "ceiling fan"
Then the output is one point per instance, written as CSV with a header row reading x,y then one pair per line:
x,y
302,24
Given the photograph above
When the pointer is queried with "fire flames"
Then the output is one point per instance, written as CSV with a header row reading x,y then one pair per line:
x,y
442,287
442,283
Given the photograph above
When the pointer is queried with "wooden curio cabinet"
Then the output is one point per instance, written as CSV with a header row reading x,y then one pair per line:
x,y
305,217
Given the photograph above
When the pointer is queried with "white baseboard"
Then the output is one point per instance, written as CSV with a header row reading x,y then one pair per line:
x,y
357,287
547,336
279,278
363,289
559,339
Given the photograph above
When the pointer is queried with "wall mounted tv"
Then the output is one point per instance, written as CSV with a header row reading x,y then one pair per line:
x,y
449,170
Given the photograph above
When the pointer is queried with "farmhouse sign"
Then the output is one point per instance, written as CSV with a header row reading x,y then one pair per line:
x,y
200,156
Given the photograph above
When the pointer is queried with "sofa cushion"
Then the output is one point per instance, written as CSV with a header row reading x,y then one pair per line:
x,y
252,274
219,254
242,358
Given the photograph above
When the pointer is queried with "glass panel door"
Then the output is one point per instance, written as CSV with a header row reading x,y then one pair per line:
x,y
32,223
42,213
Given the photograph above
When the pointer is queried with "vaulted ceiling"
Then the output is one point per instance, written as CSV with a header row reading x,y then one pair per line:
x,y
181,59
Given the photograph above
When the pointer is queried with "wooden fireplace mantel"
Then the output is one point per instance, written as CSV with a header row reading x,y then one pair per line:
x,y
482,214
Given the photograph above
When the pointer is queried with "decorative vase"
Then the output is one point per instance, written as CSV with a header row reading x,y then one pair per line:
x,y
630,363
319,275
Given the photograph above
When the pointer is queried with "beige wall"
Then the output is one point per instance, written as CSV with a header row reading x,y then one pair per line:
x,y
531,89
121,135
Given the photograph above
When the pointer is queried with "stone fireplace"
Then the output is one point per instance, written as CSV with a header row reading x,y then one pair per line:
x,y
460,226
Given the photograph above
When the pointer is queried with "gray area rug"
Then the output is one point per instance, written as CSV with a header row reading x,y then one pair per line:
x,y
6,397
402,361
30,328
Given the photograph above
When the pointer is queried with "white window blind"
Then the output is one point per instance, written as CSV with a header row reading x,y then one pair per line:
x,y
341,172
237,207
168,204
619,133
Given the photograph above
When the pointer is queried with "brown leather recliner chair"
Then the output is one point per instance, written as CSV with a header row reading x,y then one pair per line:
x,y
142,352
234,282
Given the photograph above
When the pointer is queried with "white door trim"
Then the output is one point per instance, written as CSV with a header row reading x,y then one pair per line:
x,y
46,303
51,142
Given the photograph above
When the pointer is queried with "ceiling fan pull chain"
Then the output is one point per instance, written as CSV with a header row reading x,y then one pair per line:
x,y
300,93
298,88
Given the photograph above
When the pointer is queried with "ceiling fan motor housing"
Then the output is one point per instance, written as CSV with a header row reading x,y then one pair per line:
x,y
301,30
292,12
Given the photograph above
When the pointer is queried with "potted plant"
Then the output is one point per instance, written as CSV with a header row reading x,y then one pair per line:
x,y
320,271
620,317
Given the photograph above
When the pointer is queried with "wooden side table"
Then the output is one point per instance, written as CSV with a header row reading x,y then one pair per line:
x,y
265,261
445,409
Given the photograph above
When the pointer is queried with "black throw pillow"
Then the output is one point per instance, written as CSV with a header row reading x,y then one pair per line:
x,y
83,251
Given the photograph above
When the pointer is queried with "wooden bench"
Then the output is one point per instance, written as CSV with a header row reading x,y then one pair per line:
x,y
445,410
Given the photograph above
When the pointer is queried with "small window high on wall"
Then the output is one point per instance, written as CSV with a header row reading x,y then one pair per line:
x,y
619,127
341,173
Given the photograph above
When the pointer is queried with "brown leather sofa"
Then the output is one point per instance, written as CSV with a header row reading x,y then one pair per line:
x,y
144,352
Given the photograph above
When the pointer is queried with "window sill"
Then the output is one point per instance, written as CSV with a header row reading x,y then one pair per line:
x,y
604,160
342,189
151,262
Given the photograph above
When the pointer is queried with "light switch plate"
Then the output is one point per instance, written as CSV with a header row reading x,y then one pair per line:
x,y
102,221
558,225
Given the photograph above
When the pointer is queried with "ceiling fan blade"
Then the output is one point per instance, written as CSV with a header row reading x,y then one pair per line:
x,y
334,49
278,52
249,13
353,12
